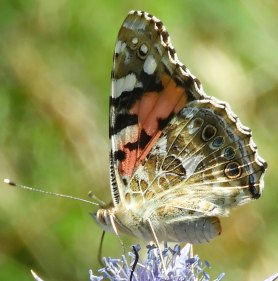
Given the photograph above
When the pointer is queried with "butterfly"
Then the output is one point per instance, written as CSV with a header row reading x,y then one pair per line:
x,y
180,159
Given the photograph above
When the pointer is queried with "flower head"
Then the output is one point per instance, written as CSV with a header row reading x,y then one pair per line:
x,y
180,265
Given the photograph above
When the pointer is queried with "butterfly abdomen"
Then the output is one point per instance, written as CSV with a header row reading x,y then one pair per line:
x,y
197,231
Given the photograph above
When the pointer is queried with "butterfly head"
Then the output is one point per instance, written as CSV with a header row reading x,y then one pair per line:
x,y
103,218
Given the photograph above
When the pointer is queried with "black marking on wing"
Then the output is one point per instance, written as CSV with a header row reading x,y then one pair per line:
x,y
150,82
188,85
144,139
122,121
162,123
264,167
114,186
127,99
252,188
132,145
119,155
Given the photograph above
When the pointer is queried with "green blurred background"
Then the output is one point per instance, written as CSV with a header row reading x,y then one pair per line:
x,y
55,63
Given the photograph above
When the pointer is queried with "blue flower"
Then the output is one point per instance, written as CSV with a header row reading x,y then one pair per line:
x,y
180,265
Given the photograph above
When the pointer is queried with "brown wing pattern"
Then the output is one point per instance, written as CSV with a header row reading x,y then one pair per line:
x,y
179,158
168,137
204,161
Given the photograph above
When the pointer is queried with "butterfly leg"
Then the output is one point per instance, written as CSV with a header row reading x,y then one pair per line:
x,y
116,232
158,245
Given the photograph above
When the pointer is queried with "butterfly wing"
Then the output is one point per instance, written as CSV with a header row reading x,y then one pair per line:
x,y
149,87
178,156
204,162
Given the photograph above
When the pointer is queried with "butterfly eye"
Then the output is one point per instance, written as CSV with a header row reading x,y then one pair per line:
x,y
142,51
232,170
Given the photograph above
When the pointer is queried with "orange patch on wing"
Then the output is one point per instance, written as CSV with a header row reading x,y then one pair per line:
x,y
147,103
171,99
152,107
126,167
135,108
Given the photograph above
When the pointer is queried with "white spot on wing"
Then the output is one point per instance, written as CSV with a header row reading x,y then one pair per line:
x,y
161,147
135,40
150,65
139,25
129,134
119,47
124,84
142,174
144,49
191,164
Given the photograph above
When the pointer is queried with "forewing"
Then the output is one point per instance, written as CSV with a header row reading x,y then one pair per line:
x,y
149,87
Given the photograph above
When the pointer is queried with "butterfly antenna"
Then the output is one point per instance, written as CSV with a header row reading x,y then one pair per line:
x,y
94,197
21,186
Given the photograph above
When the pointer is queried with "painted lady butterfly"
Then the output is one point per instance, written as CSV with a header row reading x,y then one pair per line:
x,y
179,158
